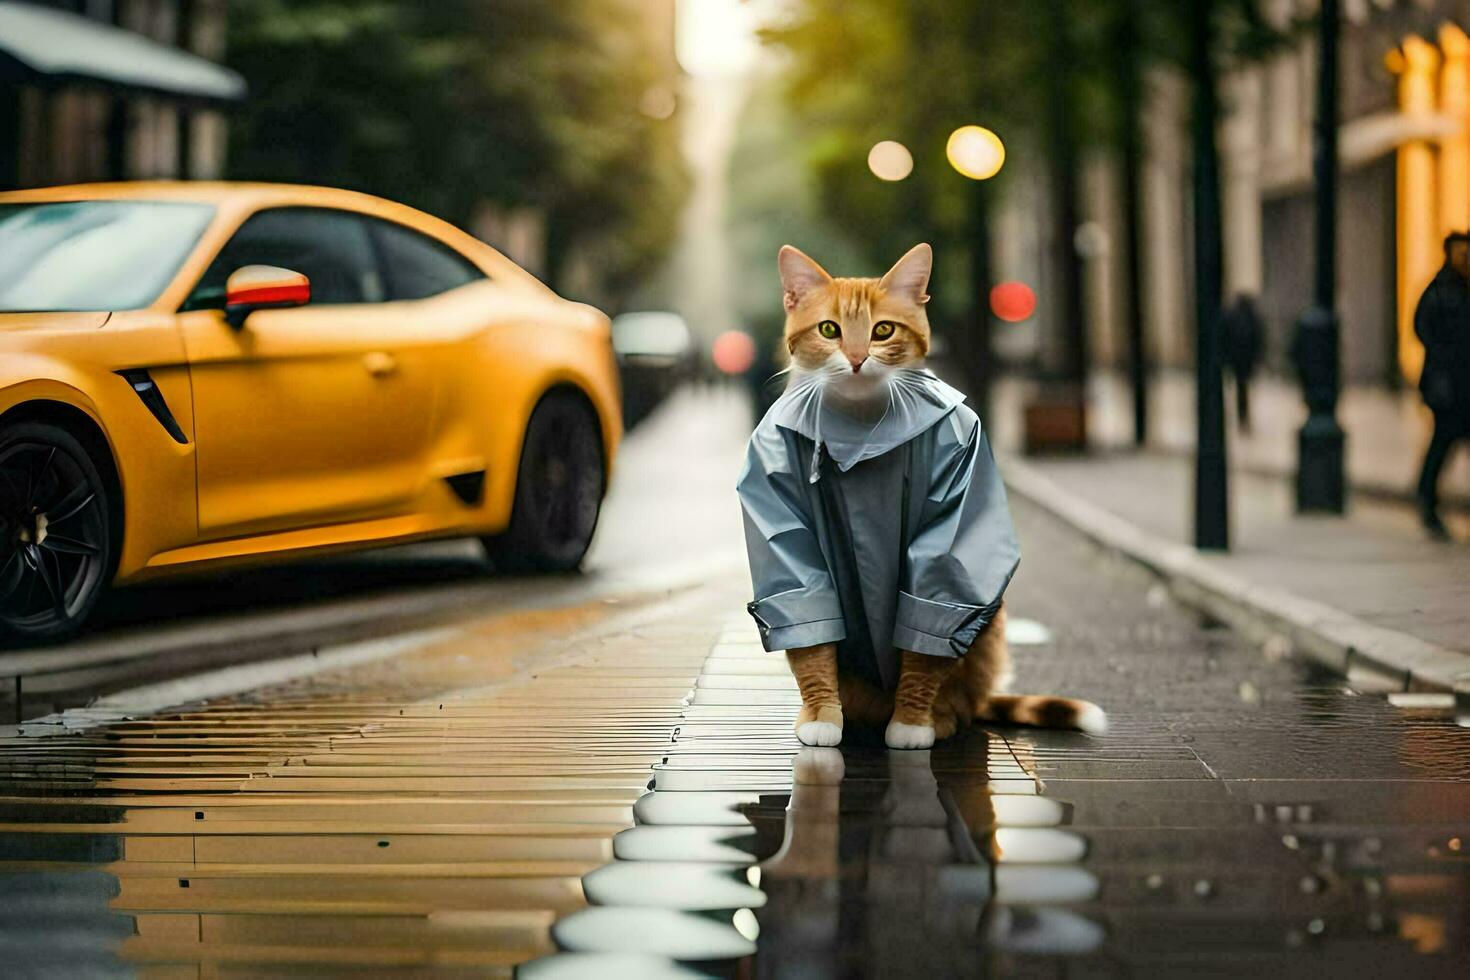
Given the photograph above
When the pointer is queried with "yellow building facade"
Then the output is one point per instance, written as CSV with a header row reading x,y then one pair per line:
x,y
1433,180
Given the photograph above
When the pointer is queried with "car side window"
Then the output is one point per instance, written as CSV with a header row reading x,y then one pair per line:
x,y
331,248
416,266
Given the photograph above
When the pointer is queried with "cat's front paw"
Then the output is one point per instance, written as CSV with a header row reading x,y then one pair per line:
x,y
824,730
902,736
820,733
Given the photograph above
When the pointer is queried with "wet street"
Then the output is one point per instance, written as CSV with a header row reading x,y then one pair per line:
x,y
596,777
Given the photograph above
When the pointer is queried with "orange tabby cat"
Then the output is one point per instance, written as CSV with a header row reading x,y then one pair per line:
x,y
856,338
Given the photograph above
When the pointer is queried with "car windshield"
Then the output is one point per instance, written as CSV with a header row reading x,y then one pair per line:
x,y
93,255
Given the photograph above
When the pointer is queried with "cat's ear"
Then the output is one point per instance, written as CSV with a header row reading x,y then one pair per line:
x,y
909,276
799,275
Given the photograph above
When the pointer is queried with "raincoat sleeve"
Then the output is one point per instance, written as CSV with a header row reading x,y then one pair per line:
x,y
964,551
796,602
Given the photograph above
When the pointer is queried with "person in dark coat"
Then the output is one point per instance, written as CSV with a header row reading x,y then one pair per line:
x,y
1244,338
1442,321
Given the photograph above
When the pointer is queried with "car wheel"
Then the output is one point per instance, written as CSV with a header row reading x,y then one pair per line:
x,y
55,540
558,490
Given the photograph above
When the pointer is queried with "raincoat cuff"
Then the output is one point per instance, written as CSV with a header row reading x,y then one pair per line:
x,y
938,629
798,618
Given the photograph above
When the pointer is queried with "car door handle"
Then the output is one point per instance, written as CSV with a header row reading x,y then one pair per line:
x,y
379,364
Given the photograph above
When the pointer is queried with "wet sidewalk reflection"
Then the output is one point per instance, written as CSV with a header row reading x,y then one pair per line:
x,y
1014,853
357,824
826,862
619,794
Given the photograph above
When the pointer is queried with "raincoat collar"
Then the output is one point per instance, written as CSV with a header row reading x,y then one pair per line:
x,y
917,400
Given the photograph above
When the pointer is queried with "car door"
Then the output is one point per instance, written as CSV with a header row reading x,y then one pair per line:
x,y
310,415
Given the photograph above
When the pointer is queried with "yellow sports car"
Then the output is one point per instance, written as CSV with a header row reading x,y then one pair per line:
x,y
199,375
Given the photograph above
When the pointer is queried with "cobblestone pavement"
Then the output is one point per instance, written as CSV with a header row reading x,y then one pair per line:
x,y
484,802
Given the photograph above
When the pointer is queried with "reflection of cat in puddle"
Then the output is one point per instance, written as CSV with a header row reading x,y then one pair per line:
x,y
885,872
877,874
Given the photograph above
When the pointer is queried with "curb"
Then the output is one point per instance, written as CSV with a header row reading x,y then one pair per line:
x,y
1388,659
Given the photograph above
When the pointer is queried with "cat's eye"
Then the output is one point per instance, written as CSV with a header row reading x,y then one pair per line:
x,y
884,330
829,329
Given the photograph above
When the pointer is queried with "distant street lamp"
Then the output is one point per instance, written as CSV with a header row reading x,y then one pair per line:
x,y
975,152
890,160
1319,478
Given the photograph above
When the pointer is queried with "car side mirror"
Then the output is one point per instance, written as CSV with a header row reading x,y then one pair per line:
x,y
263,287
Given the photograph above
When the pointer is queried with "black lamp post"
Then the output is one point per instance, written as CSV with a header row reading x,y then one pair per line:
x,y
1211,517
1130,97
1319,476
1063,151
976,351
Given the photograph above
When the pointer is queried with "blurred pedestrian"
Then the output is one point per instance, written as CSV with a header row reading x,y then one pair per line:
x,y
1244,339
1442,321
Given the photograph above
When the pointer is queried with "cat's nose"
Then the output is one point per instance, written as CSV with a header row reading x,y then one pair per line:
x,y
857,364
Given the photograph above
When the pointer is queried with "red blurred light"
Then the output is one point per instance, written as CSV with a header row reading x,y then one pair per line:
x,y
1012,301
733,352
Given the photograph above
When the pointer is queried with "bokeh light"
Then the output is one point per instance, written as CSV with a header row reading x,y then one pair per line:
x,y
975,152
1012,301
1091,240
658,102
890,160
733,352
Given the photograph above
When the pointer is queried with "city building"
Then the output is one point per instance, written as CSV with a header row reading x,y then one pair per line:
x,y
113,90
1404,146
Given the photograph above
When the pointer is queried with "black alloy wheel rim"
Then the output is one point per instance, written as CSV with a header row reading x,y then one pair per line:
x,y
566,480
53,537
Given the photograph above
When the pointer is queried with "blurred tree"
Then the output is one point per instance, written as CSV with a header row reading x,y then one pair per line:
x,y
912,70
773,201
457,104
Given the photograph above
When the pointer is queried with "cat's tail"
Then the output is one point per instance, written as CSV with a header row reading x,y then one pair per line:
x,y
1044,711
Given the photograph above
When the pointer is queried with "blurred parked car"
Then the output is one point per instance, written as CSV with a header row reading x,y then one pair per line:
x,y
655,355
198,375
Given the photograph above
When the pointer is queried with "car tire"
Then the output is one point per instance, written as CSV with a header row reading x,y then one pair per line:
x,y
57,551
559,488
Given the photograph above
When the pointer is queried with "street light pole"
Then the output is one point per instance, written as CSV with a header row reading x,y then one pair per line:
x,y
1319,475
1211,514
1130,86
1064,192
978,345
978,154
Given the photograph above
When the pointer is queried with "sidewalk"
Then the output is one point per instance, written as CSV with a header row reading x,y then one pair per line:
x,y
1366,594
1387,431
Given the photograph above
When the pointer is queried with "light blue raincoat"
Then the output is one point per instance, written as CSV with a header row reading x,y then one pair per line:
x,y
878,536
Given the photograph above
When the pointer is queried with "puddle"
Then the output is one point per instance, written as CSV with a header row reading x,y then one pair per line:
x,y
1030,845
658,836
1044,931
661,932
607,966
668,885
1040,885
1026,632
725,845
1022,811
694,809
835,854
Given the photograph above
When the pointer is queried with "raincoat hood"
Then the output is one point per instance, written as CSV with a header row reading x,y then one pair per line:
x,y
917,399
